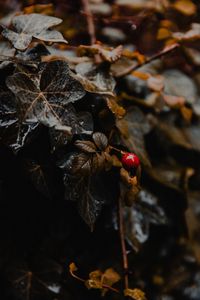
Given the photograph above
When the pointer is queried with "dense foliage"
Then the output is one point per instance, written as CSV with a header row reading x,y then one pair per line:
x,y
99,150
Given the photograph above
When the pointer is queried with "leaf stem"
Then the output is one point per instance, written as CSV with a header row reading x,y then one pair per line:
x,y
123,245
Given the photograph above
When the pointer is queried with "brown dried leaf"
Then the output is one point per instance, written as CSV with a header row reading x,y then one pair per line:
x,y
156,83
174,101
45,9
108,54
115,108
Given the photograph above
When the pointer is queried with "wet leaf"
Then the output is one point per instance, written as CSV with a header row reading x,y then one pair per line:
x,y
133,127
42,103
100,140
95,80
29,282
86,146
34,25
137,219
40,175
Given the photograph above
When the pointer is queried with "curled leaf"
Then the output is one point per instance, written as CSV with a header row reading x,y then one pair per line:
x,y
34,25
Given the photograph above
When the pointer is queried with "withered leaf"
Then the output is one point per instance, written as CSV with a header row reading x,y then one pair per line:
x,y
102,280
185,7
115,108
42,103
133,126
107,54
34,25
100,140
135,294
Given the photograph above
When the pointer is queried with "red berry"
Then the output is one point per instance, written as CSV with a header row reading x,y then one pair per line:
x,y
130,161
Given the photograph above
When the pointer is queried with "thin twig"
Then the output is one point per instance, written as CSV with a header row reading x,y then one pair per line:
x,y
123,245
148,60
90,21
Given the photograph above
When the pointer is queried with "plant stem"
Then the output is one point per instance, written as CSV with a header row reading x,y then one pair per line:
x,y
148,60
123,245
90,21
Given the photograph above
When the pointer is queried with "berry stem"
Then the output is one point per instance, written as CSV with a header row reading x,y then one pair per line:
x,y
120,151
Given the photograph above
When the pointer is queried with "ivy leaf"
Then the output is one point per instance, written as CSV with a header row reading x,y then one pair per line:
x,y
38,279
137,219
100,140
90,194
91,189
41,102
28,26
80,123
133,127
40,175
95,80
13,134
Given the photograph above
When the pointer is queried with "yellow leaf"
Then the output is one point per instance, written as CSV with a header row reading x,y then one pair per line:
x,y
72,267
185,7
115,108
93,284
135,294
110,277
163,33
